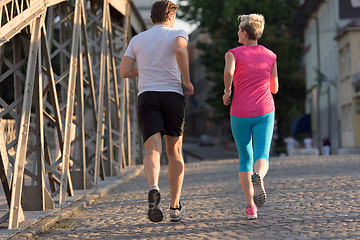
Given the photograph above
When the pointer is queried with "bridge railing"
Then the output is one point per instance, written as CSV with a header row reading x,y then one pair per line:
x,y
59,75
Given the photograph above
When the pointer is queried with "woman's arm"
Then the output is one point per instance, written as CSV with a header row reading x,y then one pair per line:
x,y
127,68
274,82
228,76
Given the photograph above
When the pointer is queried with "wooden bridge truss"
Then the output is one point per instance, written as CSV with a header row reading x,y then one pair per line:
x,y
59,64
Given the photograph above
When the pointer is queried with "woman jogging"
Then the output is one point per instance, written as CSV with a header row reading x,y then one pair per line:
x,y
253,71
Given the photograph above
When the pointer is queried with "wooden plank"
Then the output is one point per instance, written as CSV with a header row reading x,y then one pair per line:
x,y
88,65
135,19
80,117
21,21
119,5
110,64
17,78
115,79
128,127
100,114
127,34
4,167
65,174
121,155
52,86
15,206
13,68
50,3
46,200
4,2
110,155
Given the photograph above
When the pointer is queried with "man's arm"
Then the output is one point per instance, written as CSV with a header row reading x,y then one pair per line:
x,y
127,68
182,59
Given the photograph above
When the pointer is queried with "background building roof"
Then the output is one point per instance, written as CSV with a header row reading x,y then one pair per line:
x,y
304,12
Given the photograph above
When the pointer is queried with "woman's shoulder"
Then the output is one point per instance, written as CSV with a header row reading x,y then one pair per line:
x,y
268,51
236,49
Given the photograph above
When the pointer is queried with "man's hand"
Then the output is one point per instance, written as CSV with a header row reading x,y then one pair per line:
x,y
189,87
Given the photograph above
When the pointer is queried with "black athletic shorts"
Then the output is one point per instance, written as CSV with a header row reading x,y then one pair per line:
x,y
162,112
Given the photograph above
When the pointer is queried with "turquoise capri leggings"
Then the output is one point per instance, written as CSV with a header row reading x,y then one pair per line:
x,y
252,138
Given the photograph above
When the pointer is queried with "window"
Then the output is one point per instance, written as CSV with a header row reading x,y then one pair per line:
x,y
348,61
342,64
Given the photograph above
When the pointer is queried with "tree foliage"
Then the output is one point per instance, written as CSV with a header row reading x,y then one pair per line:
x,y
220,19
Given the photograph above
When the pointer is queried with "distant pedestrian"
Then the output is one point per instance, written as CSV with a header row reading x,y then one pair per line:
x,y
162,58
291,144
253,70
325,146
308,142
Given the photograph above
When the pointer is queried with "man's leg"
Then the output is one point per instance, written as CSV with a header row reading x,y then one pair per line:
x,y
152,159
176,168
152,170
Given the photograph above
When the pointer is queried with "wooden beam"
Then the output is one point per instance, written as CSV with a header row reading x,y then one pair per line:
x,y
19,165
65,174
21,21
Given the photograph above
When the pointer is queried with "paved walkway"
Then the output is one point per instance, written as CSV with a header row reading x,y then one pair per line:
x,y
308,198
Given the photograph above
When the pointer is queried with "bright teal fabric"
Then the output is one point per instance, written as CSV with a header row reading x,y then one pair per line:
x,y
252,138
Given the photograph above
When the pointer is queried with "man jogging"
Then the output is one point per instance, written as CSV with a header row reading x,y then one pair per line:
x,y
162,59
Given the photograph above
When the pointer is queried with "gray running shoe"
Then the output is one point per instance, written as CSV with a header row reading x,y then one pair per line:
x,y
155,213
259,190
177,213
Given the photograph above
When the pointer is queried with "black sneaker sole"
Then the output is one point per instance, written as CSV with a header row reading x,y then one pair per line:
x,y
155,213
259,193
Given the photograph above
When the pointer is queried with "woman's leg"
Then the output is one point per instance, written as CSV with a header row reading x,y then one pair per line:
x,y
262,136
241,130
261,167
247,187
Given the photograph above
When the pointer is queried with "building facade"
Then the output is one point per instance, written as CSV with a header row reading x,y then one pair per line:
x,y
349,76
320,22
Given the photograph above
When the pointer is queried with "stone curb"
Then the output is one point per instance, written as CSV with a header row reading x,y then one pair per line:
x,y
100,191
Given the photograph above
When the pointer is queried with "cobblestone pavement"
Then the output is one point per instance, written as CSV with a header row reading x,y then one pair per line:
x,y
308,198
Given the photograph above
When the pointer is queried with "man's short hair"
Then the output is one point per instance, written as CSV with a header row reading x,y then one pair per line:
x,y
161,9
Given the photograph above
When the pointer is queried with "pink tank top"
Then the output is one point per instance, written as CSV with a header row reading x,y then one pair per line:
x,y
252,96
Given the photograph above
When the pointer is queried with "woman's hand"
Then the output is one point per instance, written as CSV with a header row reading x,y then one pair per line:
x,y
226,98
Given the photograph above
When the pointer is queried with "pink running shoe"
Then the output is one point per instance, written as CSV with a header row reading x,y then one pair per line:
x,y
251,212
259,190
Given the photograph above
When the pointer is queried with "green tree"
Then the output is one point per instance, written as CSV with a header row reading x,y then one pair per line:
x,y
220,19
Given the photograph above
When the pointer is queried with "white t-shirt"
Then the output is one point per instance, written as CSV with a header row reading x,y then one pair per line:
x,y
154,53
291,143
308,143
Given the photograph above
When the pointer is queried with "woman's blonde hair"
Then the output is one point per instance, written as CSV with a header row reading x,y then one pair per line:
x,y
253,24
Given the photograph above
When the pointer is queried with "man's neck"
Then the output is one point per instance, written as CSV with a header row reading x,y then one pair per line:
x,y
163,23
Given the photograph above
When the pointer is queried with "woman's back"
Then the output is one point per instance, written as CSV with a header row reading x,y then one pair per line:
x,y
252,95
